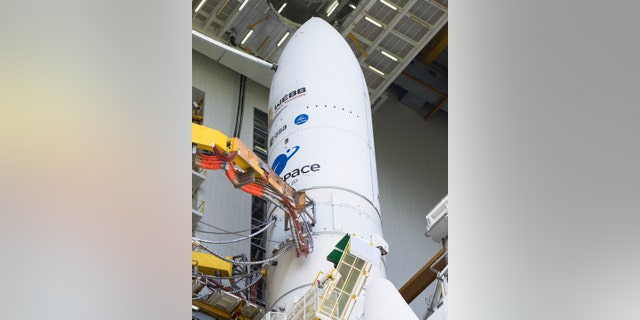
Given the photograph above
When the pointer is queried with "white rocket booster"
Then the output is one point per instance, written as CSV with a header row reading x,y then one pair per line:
x,y
321,141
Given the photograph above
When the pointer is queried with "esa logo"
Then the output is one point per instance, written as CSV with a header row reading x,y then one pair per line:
x,y
301,119
293,94
275,135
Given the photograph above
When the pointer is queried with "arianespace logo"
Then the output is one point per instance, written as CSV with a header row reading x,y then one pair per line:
x,y
281,163
281,160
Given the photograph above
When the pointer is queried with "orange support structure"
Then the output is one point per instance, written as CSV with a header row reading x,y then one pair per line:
x,y
248,172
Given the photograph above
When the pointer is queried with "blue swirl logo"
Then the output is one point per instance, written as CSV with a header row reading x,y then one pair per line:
x,y
300,119
281,160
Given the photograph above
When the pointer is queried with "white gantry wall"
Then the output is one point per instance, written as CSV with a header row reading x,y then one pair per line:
x,y
411,159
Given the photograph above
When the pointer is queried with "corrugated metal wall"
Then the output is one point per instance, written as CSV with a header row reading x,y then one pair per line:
x,y
411,158
411,155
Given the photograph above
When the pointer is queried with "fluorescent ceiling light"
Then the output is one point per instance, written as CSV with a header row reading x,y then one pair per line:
x,y
352,6
246,37
242,5
332,8
377,71
389,5
373,21
282,7
388,55
200,5
283,38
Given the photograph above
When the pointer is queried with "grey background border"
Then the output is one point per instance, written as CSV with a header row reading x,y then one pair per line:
x,y
543,159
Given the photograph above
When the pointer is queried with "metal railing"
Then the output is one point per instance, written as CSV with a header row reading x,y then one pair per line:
x,y
334,297
442,287
200,207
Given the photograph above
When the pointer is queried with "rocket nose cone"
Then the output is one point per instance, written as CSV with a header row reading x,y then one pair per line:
x,y
316,53
318,67
319,25
316,41
317,31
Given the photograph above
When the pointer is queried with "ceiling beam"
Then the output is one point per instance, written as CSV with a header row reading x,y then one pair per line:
x,y
355,15
443,8
410,56
404,37
361,38
401,12
435,47
424,84
227,24
435,109
357,44
361,12
280,34
214,13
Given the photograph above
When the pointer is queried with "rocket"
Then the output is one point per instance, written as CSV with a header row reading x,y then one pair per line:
x,y
321,141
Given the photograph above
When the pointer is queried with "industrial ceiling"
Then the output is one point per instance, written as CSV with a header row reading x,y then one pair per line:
x,y
400,44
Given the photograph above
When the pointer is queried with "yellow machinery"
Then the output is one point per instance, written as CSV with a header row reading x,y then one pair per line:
x,y
248,172
210,264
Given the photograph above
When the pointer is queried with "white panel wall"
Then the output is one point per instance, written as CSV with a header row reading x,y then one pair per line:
x,y
411,158
226,207
412,173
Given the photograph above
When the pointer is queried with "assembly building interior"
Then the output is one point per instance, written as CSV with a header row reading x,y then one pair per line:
x,y
401,48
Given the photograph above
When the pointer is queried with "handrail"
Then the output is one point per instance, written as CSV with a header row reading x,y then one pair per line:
x,y
431,267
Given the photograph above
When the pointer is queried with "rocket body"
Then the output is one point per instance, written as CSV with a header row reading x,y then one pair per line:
x,y
321,141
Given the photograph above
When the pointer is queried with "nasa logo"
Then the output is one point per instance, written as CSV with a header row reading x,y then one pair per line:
x,y
281,160
301,119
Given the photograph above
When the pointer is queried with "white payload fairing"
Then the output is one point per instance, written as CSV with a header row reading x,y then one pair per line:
x,y
321,142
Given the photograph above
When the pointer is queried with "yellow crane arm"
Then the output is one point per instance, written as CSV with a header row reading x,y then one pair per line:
x,y
207,139
254,176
